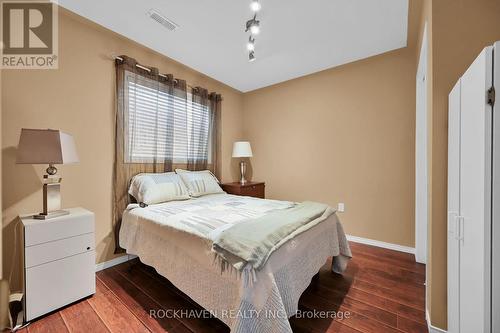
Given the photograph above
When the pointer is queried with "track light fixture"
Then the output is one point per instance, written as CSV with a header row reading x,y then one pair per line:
x,y
251,43
252,25
255,5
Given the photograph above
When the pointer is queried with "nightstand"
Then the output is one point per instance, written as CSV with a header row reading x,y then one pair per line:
x,y
251,189
59,261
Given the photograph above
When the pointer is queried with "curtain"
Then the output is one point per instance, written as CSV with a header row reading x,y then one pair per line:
x,y
158,129
204,144
129,130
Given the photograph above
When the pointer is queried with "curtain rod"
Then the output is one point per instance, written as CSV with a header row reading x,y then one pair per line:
x,y
149,70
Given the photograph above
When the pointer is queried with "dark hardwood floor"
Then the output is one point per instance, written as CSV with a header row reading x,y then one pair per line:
x,y
382,290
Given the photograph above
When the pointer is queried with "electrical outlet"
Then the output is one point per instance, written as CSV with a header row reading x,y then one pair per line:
x,y
340,207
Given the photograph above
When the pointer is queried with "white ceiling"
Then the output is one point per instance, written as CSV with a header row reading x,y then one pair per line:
x,y
298,37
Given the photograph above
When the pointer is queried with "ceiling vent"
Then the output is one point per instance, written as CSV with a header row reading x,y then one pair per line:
x,y
160,18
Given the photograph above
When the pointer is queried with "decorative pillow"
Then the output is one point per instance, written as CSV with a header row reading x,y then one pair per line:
x,y
199,182
152,188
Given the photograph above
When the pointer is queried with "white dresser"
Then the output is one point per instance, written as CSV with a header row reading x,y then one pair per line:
x,y
59,261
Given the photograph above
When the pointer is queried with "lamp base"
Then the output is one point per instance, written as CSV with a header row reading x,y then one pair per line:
x,y
50,215
243,170
51,197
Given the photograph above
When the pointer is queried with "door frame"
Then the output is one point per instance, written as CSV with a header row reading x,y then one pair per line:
x,y
421,158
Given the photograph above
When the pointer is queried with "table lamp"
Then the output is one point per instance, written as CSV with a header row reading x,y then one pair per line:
x,y
46,146
242,149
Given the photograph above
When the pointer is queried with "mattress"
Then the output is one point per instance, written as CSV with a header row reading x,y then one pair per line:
x,y
176,237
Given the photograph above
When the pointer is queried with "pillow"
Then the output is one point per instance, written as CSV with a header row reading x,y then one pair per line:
x,y
152,188
199,182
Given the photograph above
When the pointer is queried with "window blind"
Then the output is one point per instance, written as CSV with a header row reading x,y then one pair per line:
x,y
161,126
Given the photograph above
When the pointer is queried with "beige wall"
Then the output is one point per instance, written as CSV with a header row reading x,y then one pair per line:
x,y
4,286
343,135
460,30
79,98
1,268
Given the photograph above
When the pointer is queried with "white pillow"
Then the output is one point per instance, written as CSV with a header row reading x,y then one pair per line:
x,y
200,182
152,188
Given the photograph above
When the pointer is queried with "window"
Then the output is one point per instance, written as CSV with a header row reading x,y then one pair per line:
x,y
160,126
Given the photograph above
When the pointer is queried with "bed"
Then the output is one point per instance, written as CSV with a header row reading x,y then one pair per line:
x,y
176,239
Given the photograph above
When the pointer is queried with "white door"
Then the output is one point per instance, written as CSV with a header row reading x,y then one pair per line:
x,y
421,194
496,199
475,196
453,208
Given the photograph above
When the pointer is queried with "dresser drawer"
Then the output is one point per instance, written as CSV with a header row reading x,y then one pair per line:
x,y
42,253
250,189
78,222
58,283
253,191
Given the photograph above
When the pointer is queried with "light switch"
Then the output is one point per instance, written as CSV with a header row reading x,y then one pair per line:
x,y
340,207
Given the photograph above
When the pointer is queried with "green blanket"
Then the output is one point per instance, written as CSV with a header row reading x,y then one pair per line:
x,y
253,241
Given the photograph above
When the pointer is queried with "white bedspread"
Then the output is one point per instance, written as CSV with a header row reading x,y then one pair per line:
x,y
175,238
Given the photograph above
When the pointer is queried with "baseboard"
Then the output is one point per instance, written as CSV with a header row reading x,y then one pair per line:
x,y
384,245
431,328
113,262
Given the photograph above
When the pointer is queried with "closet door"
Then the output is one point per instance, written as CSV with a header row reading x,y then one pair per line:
x,y
475,196
453,208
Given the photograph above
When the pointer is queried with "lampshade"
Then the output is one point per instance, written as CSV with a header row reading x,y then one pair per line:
x,y
242,149
46,146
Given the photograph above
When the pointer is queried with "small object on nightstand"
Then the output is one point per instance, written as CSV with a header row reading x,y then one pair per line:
x,y
59,261
250,189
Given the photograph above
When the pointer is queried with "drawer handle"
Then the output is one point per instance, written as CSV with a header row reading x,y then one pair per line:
x,y
88,248
253,186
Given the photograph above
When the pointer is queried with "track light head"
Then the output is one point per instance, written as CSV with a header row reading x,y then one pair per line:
x,y
251,56
255,5
251,44
255,29
252,25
